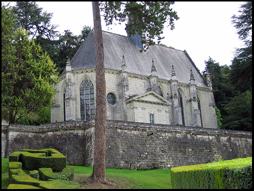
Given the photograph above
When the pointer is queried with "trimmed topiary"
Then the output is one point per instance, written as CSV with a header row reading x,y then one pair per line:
x,y
22,186
18,176
228,174
45,168
34,174
47,173
46,158
14,157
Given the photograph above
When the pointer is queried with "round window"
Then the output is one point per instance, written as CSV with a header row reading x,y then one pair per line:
x,y
111,98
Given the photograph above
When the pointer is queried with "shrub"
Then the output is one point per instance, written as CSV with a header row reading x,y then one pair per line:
x,y
236,173
45,168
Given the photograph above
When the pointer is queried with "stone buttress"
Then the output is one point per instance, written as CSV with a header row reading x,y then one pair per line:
x,y
125,87
177,111
69,94
195,112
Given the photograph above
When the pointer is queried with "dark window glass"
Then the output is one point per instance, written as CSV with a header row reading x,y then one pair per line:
x,y
151,118
87,100
111,98
181,104
199,107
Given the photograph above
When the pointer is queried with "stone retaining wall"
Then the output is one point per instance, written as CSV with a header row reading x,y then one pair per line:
x,y
131,145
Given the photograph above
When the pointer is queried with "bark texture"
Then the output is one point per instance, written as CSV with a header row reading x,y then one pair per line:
x,y
99,173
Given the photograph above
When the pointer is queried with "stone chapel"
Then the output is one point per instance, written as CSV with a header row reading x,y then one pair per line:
x,y
161,85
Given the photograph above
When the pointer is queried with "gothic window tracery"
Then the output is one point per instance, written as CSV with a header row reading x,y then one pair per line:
x,y
87,104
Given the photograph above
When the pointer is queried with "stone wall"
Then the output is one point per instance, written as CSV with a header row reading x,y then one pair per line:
x,y
131,145
137,145
72,139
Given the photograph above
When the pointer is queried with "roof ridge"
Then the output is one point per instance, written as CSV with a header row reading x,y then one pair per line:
x,y
169,47
151,45
114,33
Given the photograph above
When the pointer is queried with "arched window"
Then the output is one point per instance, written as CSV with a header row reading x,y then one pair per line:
x,y
87,107
199,107
181,105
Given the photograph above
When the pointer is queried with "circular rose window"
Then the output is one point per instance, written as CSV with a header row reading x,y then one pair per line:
x,y
111,98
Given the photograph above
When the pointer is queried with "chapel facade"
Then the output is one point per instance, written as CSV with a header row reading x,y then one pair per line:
x,y
161,85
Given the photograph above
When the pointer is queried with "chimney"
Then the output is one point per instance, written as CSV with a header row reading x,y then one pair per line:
x,y
136,39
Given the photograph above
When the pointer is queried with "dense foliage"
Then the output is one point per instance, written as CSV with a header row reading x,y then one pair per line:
x,y
228,174
68,46
232,85
37,22
26,16
27,72
146,18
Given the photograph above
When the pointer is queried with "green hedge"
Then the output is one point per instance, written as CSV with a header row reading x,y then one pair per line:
x,y
45,168
34,159
22,186
47,173
236,173
18,176
15,156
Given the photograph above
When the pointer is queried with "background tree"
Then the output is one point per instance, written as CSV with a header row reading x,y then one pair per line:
x,y
69,45
27,72
31,17
147,19
219,118
239,109
232,85
38,24
60,47
221,90
241,73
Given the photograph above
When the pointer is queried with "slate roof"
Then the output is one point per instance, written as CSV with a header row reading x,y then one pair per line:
x,y
115,46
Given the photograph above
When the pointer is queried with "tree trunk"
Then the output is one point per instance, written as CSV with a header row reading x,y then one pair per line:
x,y
99,173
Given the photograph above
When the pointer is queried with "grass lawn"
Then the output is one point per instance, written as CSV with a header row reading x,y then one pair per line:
x,y
5,174
158,179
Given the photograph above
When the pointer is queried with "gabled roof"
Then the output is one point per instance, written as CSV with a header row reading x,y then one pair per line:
x,y
115,46
150,97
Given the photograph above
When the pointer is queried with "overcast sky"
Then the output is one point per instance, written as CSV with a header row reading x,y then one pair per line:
x,y
204,28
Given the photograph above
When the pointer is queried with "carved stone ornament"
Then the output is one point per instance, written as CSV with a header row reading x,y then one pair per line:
x,y
67,102
153,69
173,73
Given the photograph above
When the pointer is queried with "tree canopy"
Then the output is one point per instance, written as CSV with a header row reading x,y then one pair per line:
x,y
27,72
59,47
34,20
146,18
241,73
69,45
232,85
